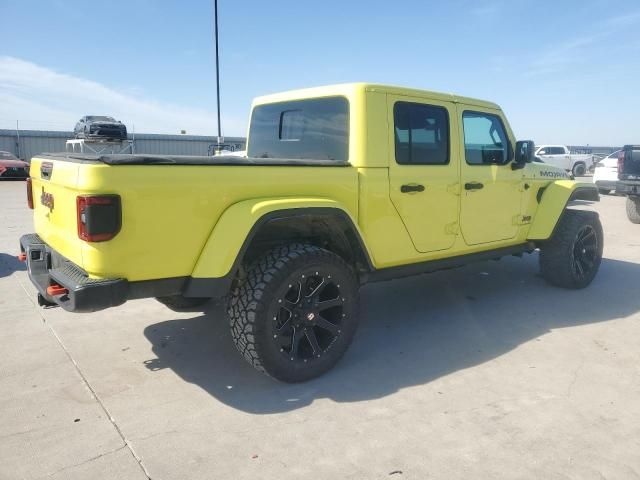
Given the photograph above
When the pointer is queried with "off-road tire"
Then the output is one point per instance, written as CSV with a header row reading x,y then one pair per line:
x,y
579,170
178,302
256,305
633,209
561,257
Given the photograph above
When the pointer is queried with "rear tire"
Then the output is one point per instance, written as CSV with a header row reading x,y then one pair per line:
x,y
571,257
296,313
579,170
178,302
633,209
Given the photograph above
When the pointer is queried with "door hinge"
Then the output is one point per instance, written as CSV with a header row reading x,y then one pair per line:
x,y
454,188
452,228
522,219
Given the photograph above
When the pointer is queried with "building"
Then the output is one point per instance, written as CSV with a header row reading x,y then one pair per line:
x,y
600,151
26,143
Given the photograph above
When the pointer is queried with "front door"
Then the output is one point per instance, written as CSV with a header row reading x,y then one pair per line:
x,y
424,170
491,190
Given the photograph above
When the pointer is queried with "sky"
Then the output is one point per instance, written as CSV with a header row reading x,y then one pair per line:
x,y
564,71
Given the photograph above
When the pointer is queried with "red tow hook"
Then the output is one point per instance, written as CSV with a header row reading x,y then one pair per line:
x,y
55,290
22,257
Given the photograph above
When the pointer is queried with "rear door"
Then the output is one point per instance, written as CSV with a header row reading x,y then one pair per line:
x,y
491,194
560,157
424,169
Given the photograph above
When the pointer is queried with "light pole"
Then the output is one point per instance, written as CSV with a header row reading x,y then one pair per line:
x,y
220,139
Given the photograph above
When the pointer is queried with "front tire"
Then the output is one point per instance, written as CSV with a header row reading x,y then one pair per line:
x,y
571,257
579,170
633,209
296,313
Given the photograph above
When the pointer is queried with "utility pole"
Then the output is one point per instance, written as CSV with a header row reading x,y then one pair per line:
x,y
18,138
220,139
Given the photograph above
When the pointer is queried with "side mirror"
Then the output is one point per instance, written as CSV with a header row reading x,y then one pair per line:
x,y
524,154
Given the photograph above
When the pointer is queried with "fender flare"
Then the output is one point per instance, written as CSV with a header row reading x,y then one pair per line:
x,y
239,223
553,200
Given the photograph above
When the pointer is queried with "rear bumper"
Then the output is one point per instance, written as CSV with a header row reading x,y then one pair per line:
x,y
606,184
83,294
628,188
47,268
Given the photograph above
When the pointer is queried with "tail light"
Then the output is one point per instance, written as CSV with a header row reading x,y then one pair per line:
x,y
99,217
29,193
620,163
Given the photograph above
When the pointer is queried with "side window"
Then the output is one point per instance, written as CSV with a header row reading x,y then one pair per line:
x,y
310,129
485,139
556,151
421,134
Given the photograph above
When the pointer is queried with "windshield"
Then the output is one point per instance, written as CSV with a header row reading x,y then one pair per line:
x,y
7,156
98,118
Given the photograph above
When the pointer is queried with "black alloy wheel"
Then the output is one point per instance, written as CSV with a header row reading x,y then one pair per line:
x,y
585,252
308,316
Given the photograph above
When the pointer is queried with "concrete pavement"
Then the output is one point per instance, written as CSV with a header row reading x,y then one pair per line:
x,y
481,372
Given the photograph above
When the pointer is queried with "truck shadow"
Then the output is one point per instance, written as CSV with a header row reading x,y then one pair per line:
x,y
412,331
10,264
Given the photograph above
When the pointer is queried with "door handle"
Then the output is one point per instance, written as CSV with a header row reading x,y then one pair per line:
x,y
412,188
473,186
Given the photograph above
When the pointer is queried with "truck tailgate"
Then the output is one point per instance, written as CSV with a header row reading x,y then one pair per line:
x,y
54,186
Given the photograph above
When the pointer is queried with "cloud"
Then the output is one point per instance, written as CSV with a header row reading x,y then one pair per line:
x,y
487,10
624,20
41,98
567,54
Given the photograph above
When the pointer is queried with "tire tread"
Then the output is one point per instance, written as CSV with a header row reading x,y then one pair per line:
x,y
555,252
633,209
248,301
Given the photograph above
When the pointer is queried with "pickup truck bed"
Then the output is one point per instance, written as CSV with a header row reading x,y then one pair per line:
x,y
143,159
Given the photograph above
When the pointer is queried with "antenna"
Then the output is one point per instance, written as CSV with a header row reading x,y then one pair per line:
x,y
220,139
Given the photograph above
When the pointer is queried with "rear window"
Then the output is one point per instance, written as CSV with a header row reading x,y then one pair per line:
x,y
555,151
312,129
99,118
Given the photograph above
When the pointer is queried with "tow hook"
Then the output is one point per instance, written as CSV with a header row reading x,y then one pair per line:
x,y
55,290
43,302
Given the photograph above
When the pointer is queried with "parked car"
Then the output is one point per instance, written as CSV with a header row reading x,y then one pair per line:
x,y
629,180
560,156
605,174
100,127
12,167
342,185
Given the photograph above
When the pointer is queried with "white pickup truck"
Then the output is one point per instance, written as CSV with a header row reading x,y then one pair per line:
x,y
560,156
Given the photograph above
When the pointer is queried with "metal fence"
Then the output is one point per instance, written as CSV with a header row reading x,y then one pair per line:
x,y
26,143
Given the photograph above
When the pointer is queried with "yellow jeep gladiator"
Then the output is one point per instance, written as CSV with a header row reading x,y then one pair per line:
x,y
342,185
